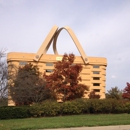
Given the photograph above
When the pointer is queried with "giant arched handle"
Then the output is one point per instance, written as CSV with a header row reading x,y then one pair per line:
x,y
52,36
74,38
46,44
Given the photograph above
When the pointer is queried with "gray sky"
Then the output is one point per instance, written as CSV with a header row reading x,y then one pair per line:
x,y
102,27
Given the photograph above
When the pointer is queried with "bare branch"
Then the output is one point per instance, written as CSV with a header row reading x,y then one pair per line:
x,y
3,74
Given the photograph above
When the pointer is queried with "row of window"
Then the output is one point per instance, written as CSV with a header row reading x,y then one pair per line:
x,y
51,64
94,72
25,62
50,70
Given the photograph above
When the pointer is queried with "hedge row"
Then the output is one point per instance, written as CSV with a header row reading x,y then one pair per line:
x,y
78,106
14,112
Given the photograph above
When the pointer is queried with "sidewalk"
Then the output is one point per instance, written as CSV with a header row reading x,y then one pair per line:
x,y
118,127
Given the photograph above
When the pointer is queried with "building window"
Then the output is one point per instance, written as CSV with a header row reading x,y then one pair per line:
x,y
49,70
96,84
23,63
96,72
96,90
96,78
96,66
49,64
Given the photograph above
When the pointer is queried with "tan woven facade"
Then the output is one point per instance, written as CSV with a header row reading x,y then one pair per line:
x,y
94,68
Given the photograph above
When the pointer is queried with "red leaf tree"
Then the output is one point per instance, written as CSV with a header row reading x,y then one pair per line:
x,y
65,79
93,95
126,92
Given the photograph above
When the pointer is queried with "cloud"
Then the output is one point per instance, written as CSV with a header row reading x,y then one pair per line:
x,y
113,76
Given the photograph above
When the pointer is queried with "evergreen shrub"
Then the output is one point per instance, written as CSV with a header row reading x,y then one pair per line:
x,y
74,107
46,108
14,112
71,108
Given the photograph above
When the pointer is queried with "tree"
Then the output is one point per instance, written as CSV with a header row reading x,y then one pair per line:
x,y
28,86
64,80
126,91
114,92
3,76
93,95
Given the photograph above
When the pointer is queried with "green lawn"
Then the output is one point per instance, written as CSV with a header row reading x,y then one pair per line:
x,y
65,121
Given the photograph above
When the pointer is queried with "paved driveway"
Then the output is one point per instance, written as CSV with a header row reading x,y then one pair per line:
x,y
118,127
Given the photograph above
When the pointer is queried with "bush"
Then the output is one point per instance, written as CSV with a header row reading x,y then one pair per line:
x,y
95,106
78,106
103,106
106,106
71,108
128,107
14,112
46,108
83,105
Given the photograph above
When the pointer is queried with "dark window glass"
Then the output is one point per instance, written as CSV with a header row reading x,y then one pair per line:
x,y
96,66
96,78
96,84
22,63
96,72
49,64
49,71
97,90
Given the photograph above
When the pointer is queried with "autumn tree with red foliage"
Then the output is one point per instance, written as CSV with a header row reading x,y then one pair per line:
x,y
93,95
65,78
126,92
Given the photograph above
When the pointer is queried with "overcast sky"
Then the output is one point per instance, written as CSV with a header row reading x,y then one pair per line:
x,y
101,26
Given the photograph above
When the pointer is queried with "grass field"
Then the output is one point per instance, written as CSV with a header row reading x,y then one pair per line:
x,y
65,121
